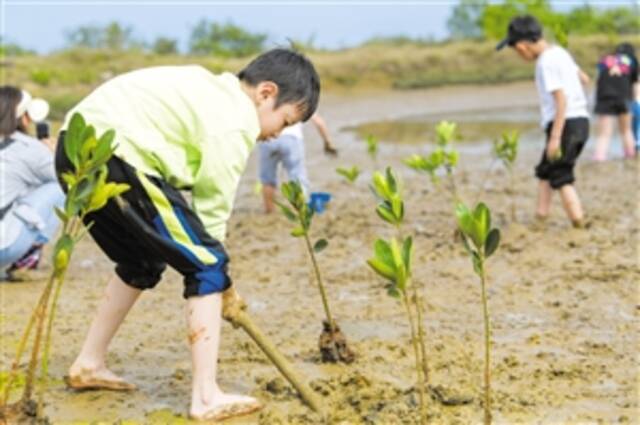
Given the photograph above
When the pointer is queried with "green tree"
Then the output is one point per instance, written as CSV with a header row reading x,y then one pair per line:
x,y
464,21
225,40
165,46
112,36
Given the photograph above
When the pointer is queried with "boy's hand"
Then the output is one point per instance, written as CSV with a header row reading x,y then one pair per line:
x,y
329,149
553,149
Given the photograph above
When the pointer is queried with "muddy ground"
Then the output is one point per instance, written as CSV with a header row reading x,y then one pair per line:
x,y
564,302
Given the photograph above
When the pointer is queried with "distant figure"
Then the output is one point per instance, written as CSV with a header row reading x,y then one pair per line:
x,y
288,149
617,75
563,107
29,185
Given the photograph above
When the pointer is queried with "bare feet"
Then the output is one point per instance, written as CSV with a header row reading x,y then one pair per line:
x,y
224,406
100,378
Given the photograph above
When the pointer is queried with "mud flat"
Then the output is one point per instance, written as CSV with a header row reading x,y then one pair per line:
x,y
564,302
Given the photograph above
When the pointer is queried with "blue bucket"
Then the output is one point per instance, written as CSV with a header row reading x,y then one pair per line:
x,y
319,201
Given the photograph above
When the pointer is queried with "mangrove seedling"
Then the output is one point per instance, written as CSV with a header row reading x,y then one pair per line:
x,y
444,157
87,191
350,174
480,241
333,344
505,150
372,147
392,261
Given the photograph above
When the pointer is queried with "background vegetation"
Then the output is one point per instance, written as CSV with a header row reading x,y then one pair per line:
x,y
94,54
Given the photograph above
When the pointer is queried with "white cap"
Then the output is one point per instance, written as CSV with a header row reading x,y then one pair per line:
x,y
38,109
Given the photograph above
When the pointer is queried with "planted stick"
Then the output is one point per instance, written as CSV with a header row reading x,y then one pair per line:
x,y
234,311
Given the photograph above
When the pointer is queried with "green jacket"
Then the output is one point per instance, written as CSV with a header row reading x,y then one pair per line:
x,y
183,124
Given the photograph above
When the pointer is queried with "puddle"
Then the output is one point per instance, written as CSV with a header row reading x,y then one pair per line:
x,y
474,126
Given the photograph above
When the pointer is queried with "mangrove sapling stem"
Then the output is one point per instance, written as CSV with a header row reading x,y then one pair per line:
x,y
234,311
21,347
416,351
487,347
323,294
512,193
421,333
41,314
485,179
417,302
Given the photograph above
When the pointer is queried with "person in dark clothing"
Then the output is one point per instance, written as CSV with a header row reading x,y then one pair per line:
x,y
617,75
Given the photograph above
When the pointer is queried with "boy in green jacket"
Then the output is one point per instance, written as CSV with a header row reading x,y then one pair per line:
x,y
181,128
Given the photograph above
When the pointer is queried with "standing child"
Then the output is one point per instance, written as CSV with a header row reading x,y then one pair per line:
x,y
617,75
288,149
563,107
182,128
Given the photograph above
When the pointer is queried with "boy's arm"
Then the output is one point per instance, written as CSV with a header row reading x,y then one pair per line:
x,y
323,130
555,137
584,78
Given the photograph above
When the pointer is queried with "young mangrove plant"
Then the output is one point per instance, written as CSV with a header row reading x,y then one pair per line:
x,y
392,261
444,157
372,147
480,241
333,344
349,174
87,191
505,150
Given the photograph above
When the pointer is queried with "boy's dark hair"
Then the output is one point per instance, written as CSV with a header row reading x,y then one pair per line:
x,y
294,74
9,99
521,28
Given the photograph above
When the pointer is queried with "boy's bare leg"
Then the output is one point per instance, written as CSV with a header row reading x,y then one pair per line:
x,y
89,370
605,130
628,142
572,205
544,199
208,401
268,195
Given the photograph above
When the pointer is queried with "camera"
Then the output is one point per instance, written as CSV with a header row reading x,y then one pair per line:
x,y
42,130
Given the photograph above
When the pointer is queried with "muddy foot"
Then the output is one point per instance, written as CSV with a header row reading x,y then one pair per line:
x,y
333,345
91,379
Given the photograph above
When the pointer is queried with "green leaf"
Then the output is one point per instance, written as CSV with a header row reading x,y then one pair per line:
x,y
382,251
397,208
320,245
396,254
482,224
493,240
477,264
72,141
382,268
393,292
297,232
62,253
465,220
407,251
380,185
391,181
385,213
61,214
287,212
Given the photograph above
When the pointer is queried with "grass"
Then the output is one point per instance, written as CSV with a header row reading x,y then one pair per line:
x,y
65,77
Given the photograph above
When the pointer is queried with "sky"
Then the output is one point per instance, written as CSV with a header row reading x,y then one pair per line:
x,y
41,25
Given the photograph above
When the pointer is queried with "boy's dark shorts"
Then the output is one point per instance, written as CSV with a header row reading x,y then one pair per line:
x,y
611,106
560,171
157,227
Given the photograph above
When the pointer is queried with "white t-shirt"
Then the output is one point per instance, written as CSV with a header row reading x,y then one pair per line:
x,y
293,130
556,69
